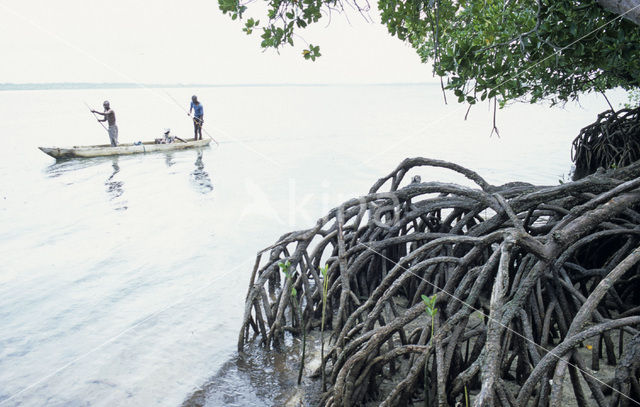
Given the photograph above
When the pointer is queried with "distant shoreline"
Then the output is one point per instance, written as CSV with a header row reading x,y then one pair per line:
x,y
116,85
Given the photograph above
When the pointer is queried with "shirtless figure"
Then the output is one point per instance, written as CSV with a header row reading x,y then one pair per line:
x,y
110,117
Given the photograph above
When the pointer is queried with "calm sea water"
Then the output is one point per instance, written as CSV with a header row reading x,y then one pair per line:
x,y
122,280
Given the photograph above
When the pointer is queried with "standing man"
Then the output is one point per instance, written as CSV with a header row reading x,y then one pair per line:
x,y
110,117
198,116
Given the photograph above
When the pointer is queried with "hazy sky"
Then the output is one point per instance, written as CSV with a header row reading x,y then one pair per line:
x,y
166,41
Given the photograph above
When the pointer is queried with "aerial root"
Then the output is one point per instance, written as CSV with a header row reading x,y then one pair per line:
x,y
526,280
613,140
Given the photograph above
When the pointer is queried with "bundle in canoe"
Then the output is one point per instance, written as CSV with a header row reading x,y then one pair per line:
x,y
121,149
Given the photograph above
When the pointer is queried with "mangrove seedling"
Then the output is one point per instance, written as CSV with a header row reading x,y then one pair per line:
x,y
325,286
297,308
431,310
285,268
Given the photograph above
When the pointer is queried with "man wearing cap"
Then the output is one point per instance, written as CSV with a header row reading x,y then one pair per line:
x,y
198,116
110,117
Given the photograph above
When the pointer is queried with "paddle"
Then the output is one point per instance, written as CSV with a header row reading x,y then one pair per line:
x,y
94,115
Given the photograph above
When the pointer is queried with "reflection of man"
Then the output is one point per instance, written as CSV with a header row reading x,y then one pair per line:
x,y
198,117
110,117
114,187
201,177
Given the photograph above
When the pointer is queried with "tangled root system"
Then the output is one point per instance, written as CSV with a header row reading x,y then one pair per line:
x,y
526,278
612,141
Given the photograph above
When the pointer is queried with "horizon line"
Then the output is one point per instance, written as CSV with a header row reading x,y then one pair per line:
x,y
126,85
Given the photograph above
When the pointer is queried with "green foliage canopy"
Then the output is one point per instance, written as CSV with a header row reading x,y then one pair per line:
x,y
522,50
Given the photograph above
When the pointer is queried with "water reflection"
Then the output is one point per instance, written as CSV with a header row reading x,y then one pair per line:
x,y
115,188
62,166
168,159
71,170
200,177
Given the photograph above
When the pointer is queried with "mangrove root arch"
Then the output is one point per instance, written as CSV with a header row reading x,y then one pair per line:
x,y
525,278
613,140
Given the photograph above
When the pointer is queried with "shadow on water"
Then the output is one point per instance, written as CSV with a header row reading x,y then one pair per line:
x,y
200,177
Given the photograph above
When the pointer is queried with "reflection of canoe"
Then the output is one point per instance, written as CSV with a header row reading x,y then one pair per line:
x,y
122,149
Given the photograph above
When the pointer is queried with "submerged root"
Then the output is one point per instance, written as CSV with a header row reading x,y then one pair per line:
x,y
524,277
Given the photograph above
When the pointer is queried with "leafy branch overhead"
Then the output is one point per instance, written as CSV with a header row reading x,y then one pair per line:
x,y
284,16
526,50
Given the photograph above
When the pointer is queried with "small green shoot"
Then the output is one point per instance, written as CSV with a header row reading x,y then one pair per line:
x,y
430,302
325,286
284,267
466,396
431,310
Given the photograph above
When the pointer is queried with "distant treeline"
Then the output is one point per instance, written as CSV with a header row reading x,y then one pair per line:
x,y
87,85
116,85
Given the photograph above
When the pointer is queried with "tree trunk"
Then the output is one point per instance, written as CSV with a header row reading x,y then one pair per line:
x,y
629,9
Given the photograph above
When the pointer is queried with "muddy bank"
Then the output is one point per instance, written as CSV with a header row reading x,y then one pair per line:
x,y
263,378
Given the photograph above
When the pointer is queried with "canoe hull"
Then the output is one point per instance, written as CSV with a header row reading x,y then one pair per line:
x,y
122,149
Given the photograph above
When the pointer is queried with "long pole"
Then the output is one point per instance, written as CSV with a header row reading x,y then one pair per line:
x,y
94,115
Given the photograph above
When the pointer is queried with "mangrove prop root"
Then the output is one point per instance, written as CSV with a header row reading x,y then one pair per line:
x,y
613,140
525,279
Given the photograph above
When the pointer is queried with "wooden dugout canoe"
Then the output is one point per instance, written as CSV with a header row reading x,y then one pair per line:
x,y
122,149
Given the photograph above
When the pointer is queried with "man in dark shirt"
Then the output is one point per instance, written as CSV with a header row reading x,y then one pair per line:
x,y
110,117
198,116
